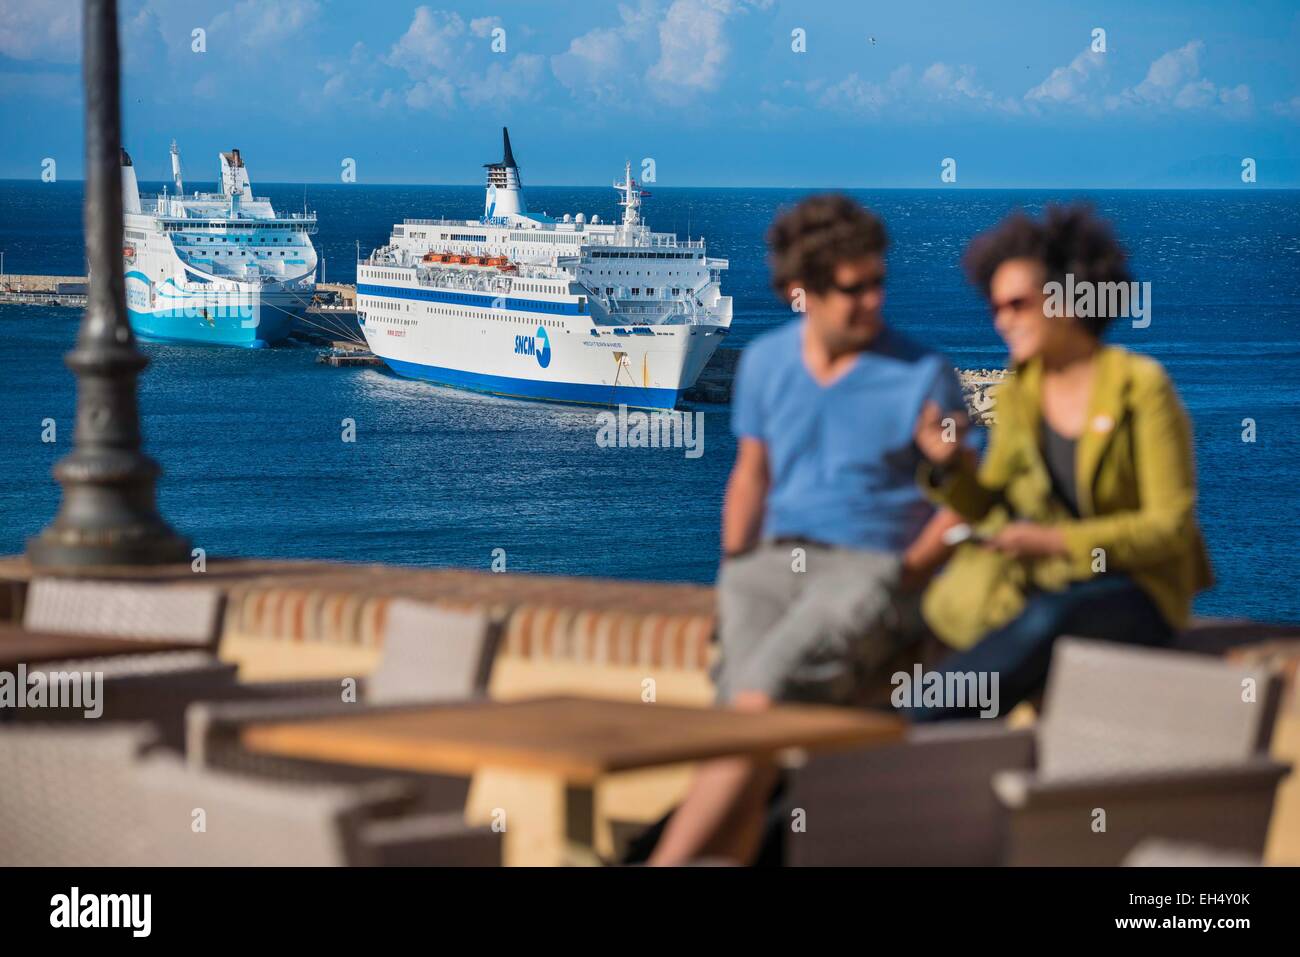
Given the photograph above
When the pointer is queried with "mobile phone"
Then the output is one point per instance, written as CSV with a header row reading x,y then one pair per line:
x,y
960,534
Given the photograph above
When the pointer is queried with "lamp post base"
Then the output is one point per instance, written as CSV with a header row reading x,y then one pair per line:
x,y
54,551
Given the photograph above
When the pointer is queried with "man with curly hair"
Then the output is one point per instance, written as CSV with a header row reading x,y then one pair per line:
x,y
826,535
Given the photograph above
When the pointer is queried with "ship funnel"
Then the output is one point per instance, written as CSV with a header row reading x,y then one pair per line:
x,y
505,191
130,188
234,175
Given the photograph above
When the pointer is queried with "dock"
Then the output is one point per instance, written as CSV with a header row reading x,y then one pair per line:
x,y
21,289
344,353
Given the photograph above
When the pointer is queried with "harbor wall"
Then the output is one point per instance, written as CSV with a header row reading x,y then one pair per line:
x,y
22,282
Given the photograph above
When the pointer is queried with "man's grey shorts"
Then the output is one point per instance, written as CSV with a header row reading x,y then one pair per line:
x,y
809,622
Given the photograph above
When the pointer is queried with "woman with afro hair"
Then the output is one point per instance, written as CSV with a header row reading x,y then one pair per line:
x,y
1081,515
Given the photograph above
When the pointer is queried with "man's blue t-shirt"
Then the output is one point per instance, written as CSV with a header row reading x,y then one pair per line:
x,y
841,457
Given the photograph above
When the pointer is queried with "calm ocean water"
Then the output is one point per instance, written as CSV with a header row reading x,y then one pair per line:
x,y
255,465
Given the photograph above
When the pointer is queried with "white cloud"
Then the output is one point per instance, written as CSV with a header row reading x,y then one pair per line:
x,y
431,42
352,82
1170,74
1073,84
1289,107
431,93
41,30
854,94
940,84
604,61
518,81
447,62
258,25
675,53
483,26
692,47
1174,82
941,81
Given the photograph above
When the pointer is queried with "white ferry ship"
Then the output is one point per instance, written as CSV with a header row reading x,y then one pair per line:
x,y
220,268
570,310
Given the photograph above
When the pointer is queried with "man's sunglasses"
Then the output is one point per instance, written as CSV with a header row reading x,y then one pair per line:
x,y
870,284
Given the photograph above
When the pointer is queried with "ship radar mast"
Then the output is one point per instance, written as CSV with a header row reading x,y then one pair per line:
x,y
176,170
631,201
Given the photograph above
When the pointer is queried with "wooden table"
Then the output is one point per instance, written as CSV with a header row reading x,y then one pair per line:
x,y
543,756
18,646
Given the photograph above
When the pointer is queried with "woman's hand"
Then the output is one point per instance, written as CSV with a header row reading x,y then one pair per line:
x,y
751,701
1029,540
939,436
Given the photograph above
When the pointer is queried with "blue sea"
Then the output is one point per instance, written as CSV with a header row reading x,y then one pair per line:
x,y
255,465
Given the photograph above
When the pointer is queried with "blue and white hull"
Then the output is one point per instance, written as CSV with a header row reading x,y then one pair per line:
x,y
214,268
532,307
251,316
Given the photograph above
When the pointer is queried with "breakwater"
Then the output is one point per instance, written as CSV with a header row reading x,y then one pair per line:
x,y
977,385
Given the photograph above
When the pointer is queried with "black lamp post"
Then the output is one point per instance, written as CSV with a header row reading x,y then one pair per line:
x,y
108,516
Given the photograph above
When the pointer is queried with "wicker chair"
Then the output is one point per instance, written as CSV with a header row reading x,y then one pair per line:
x,y
1158,853
152,687
67,798
1144,743
107,797
174,613
1161,741
430,654
923,802
252,822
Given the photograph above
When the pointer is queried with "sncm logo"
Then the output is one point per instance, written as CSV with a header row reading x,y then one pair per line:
x,y
538,345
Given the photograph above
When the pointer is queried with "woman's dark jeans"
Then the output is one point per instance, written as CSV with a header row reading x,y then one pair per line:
x,y
1110,608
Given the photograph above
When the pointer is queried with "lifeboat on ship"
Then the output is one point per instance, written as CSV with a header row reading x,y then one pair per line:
x,y
473,260
453,258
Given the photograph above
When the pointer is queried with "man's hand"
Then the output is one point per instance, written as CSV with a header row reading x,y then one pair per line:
x,y
924,556
938,441
1029,540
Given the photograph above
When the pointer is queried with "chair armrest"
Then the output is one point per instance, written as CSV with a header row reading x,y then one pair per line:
x,y
1024,789
975,734
1099,820
923,801
442,840
315,688
203,719
212,741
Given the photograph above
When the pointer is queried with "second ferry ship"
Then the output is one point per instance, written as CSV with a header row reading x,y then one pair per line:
x,y
221,268
570,310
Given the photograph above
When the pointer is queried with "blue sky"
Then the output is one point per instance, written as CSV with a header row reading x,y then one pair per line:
x,y
712,90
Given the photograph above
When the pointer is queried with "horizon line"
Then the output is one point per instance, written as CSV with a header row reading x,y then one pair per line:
x,y
1244,187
